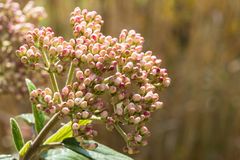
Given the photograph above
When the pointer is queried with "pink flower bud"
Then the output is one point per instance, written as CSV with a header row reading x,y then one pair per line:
x,y
56,96
48,91
87,81
24,59
65,91
139,48
59,48
112,89
95,49
121,96
81,87
65,110
102,52
39,106
119,110
118,81
137,120
84,58
83,104
148,96
79,75
138,138
30,53
47,98
78,101
99,65
88,96
59,68
104,114
46,40
85,114
136,97
89,57
87,72
166,82
70,103
144,130
52,51
75,126
34,94
158,104
52,109
78,54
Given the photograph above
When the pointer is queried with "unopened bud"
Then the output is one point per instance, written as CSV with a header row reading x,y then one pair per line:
x,y
144,130
79,94
104,114
65,110
136,97
138,138
75,126
65,91
166,82
70,103
85,114
47,98
78,101
137,120
48,91
83,104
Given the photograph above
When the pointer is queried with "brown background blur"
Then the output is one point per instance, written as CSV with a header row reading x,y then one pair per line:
x,y
199,43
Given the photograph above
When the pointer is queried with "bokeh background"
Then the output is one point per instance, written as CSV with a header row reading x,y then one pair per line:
x,y
199,43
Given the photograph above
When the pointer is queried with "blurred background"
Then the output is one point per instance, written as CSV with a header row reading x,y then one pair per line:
x,y
199,43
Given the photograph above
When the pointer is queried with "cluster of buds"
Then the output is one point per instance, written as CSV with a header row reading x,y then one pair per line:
x,y
114,79
14,24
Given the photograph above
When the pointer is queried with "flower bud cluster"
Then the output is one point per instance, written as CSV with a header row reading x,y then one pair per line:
x,y
14,24
44,51
85,23
114,79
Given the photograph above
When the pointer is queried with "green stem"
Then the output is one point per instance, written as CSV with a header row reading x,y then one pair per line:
x,y
52,75
54,82
70,74
51,123
41,136
121,132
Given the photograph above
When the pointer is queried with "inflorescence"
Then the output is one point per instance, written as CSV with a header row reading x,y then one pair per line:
x,y
14,24
113,79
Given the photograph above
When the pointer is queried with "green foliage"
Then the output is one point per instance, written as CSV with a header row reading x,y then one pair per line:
x,y
102,152
16,134
73,151
27,117
6,157
64,132
25,148
62,154
39,117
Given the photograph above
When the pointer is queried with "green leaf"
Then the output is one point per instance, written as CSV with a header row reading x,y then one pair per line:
x,y
16,133
38,115
62,154
64,132
27,117
25,148
6,157
102,152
